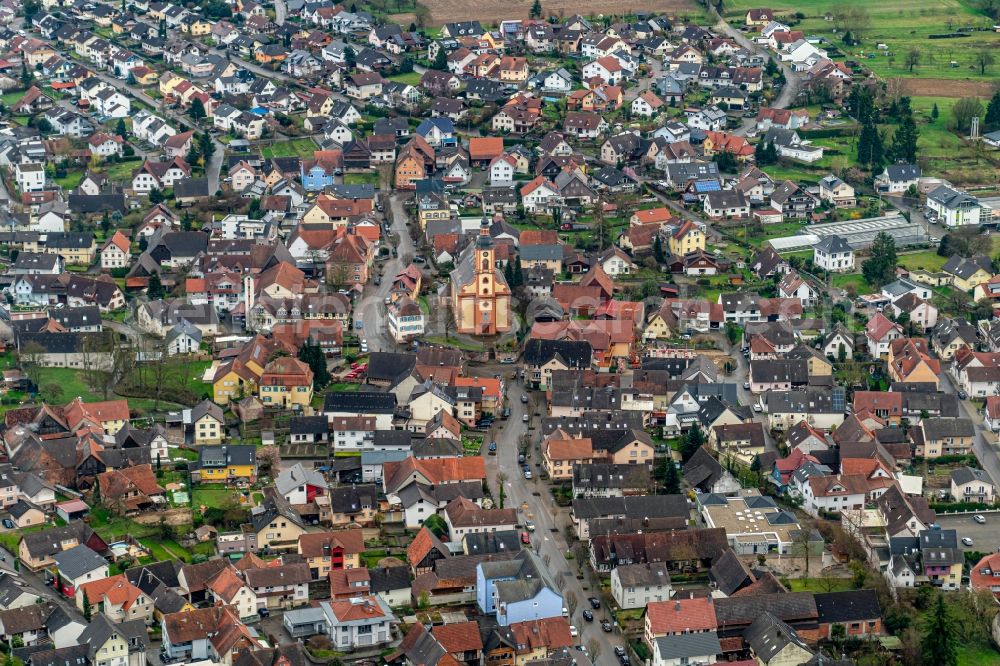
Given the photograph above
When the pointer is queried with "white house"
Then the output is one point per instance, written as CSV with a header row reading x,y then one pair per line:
x,y
502,170
635,585
972,485
116,253
954,208
406,319
834,254
709,119
358,622
898,178
29,176
540,196
608,69
794,286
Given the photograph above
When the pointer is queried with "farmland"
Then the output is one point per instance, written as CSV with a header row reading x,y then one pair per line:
x,y
493,11
903,26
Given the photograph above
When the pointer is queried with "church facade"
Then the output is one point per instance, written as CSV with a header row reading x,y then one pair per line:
x,y
480,296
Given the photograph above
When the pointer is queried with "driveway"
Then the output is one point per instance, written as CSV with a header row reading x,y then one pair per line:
x,y
549,538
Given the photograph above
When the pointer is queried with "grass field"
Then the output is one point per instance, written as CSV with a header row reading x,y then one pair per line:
x,y
366,178
70,180
411,78
902,26
122,171
213,495
301,147
180,382
856,280
927,260
490,12
819,584
61,385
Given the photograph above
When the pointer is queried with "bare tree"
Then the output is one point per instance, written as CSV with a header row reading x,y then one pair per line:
x,y
31,356
571,602
595,649
912,58
448,319
501,490
269,457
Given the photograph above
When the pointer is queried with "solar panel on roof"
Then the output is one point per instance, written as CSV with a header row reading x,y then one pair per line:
x,y
838,399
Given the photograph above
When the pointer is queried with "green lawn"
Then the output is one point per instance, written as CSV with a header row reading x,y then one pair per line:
x,y
412,78
70,180
122,171
213,495
303,148
343,387
11,98
60,385
902,26
820,584
365,178
979,654
181,382
856,280
929,260
452,342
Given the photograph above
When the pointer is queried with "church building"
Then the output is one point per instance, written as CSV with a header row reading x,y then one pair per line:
x,y
480,296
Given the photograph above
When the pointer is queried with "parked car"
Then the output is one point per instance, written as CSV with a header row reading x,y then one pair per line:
x,y
588,616
595,603
364,346
966,541
493,447
530,526
524,418
524,399
962,395
525,538
979,518
520,458
573,631
508,361
8,523
607,627
419,260
619,650
527,473
505,413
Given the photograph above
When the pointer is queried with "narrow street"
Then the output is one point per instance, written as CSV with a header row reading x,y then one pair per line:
x,y
372,304
550,520
986,453
790,91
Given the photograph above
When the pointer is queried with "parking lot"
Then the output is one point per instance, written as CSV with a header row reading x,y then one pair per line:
x,y
985,538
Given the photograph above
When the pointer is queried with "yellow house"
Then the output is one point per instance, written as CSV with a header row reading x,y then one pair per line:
x,y
634,448
169,81
657,327
910,362
199,27
687,238
37,548
287,382
276,529
219,464
329,551
144,76
967,274
561,453
816,364
320,108
207,423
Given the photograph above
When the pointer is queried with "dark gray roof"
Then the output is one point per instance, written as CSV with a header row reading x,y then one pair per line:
x,y
833,244
678,646
575,354
309,425
392,439
604,475
504,541
848,606
768,636
390,367
73,655
100,630
387,579
77,561
359,402
937,428
191,187
730,574
964,475
648,506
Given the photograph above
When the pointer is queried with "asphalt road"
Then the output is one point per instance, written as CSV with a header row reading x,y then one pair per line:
x,y
372,305
790,92
550,520
985,452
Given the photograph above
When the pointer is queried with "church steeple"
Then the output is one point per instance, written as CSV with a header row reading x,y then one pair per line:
x,y
485,240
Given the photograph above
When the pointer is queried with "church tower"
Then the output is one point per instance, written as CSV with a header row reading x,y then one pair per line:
x,y
480,294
